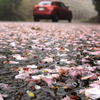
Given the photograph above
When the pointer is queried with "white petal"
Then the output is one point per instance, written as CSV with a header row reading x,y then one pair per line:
x,y
31,66
1,98
37,87
93,93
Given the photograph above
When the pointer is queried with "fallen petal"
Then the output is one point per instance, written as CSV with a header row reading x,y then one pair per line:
x,y
46,80
93,93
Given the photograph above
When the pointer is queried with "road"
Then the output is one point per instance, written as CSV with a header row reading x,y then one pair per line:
x,y
50,22
49,61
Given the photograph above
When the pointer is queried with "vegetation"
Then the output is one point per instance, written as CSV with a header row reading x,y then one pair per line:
x,y
97,5
97,8
26,9
9,9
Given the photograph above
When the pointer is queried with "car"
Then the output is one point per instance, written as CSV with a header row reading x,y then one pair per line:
x,y
54,10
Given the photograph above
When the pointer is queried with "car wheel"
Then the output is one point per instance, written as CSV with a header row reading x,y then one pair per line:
x,y
70,18
55,18
36,19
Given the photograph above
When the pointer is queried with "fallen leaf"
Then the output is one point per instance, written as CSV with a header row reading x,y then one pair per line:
x,y
30,94
5,62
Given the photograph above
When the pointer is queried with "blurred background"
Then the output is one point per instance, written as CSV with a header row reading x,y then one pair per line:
x,y
21,10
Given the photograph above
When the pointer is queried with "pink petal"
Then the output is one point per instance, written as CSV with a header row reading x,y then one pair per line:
x,y
84,60
92,76
1,56
22,76
13,62
74,73
18,57
46,80
94,85
95,53
47,59
12,44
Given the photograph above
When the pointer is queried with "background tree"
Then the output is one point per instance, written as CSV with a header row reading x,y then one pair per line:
x,y
9,9
97,6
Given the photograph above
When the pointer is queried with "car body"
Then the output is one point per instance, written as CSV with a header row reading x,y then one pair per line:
x,y
54,10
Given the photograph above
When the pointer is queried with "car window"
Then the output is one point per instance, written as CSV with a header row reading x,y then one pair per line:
x,y
58,4
63,5
45,3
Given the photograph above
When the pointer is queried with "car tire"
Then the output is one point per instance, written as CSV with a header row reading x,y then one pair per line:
x,y
70,18
55,18
36,19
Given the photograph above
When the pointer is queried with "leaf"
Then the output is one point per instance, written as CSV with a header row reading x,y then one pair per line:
x,y
30,94
25,68
5,62
33,88
39,67
10,58
45,71
53,87
65,87
62,48
73,97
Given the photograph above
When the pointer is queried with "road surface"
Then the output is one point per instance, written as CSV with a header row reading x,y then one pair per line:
x,y
49,61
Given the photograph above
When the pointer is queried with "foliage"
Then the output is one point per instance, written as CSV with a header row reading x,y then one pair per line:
x,y
9,8
97,6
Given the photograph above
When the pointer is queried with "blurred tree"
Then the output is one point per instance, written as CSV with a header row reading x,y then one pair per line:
x,y
9,9
97,6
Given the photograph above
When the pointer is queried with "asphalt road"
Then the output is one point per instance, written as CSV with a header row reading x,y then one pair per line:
x,y
49,61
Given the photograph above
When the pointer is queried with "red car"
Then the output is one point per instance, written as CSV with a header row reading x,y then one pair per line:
x,y
54,10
